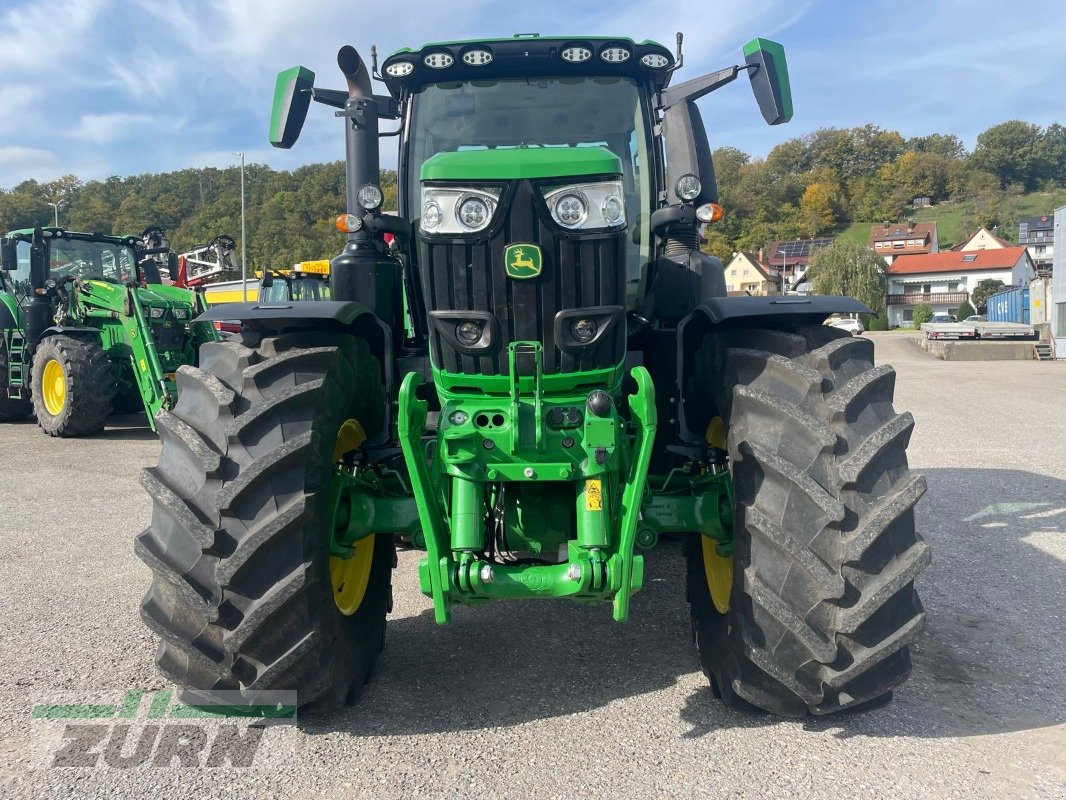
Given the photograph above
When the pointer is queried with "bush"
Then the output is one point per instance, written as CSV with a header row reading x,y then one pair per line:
x,y
923,312
965,310
878,323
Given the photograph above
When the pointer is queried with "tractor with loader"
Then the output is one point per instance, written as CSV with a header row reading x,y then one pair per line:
x,y
539,380
88,330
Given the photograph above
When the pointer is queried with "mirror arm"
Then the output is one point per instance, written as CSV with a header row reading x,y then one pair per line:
x,y
698,87
329,97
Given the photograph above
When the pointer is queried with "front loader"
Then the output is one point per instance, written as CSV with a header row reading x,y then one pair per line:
x,y
537,381
85,333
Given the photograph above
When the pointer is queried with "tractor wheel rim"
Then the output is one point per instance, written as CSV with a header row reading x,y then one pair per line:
x,y
718,569
351,576
54,387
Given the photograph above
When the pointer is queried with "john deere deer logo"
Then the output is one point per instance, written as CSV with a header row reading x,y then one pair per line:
x,y
522,260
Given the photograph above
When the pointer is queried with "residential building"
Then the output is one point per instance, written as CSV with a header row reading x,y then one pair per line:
x,y
748,273
791,257
894,239
945,280
984,239
1038,234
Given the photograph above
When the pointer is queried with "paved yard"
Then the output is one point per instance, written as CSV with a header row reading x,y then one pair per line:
x,y
554,700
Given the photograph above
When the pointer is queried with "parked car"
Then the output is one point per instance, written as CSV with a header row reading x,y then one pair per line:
x,y
977,318
942,318
852,326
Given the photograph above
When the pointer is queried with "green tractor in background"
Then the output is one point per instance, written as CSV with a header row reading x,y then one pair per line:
x,y
539,379
88,330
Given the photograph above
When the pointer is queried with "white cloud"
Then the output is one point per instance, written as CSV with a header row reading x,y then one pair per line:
x,y
113,127
21,163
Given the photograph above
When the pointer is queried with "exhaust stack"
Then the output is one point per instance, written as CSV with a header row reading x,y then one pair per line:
x,y
362,158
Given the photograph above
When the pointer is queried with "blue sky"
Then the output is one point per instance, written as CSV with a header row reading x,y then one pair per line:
x,y
102,87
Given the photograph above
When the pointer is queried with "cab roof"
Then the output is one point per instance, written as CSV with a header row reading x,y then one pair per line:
x,y
526,54
52,232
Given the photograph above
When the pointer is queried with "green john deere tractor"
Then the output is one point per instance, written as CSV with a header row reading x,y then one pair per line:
x,y
86,331
535,383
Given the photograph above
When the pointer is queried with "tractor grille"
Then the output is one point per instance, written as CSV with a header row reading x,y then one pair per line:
x,y
578,271
168,335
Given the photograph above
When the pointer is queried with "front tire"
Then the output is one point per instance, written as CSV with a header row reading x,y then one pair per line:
x,y
72,386
822,605
241,595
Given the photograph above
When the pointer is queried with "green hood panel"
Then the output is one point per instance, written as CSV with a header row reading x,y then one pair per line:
x,y
516,163
157,294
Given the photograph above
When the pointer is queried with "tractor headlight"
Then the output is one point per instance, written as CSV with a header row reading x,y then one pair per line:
x,y
473,213
458,209
156,313
588,206
688,187
369,196
583,329
399,69
181,313
431,215
469,333
570,209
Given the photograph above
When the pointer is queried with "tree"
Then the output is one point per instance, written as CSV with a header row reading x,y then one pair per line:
x,y
817,207
849,269
965,310
947,145
985,289
1011,151
923,312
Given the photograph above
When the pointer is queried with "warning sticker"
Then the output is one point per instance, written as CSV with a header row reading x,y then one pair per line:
x,y
593,495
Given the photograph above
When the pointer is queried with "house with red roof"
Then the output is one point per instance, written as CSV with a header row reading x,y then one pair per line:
x,y
945,280
894,239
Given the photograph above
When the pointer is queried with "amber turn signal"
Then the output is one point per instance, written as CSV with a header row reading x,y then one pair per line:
x,y
710,212
348,223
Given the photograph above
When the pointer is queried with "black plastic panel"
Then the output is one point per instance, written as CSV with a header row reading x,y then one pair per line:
x,y
578,271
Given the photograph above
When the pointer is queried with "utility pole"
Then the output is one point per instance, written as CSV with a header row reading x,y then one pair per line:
x,y
244,241
55,207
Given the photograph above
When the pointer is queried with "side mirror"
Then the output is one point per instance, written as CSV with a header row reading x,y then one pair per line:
x,y
268,279
8,255
768,72
292,98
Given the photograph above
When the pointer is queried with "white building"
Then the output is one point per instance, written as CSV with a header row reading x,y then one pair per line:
x,y
945,280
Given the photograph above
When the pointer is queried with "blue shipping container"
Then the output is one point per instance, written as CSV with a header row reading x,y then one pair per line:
x,y
1010,305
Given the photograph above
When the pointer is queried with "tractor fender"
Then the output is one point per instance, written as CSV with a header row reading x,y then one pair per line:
x,y
719,313
313,315
7,319
289,314
70,330
740,312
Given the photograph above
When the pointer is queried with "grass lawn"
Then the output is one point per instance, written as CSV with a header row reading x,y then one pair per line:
x,y
950,217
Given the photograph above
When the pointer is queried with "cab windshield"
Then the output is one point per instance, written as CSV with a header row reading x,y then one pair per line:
x,y
538,112
81,259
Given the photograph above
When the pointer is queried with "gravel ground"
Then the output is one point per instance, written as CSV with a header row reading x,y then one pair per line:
x,y
555,700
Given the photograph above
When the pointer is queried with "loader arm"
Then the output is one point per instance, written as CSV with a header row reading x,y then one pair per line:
x,y
101,299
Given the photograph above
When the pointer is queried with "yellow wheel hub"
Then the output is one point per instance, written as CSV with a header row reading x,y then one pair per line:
x,y
350,576
717,568
54,387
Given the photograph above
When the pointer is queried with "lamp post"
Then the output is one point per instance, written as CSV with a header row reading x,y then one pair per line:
x,y
55,207
244,241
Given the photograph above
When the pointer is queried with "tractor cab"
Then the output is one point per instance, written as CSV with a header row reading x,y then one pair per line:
x,y
64,291
307,280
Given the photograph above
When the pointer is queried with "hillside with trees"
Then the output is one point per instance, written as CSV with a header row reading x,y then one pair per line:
x,y
834,180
